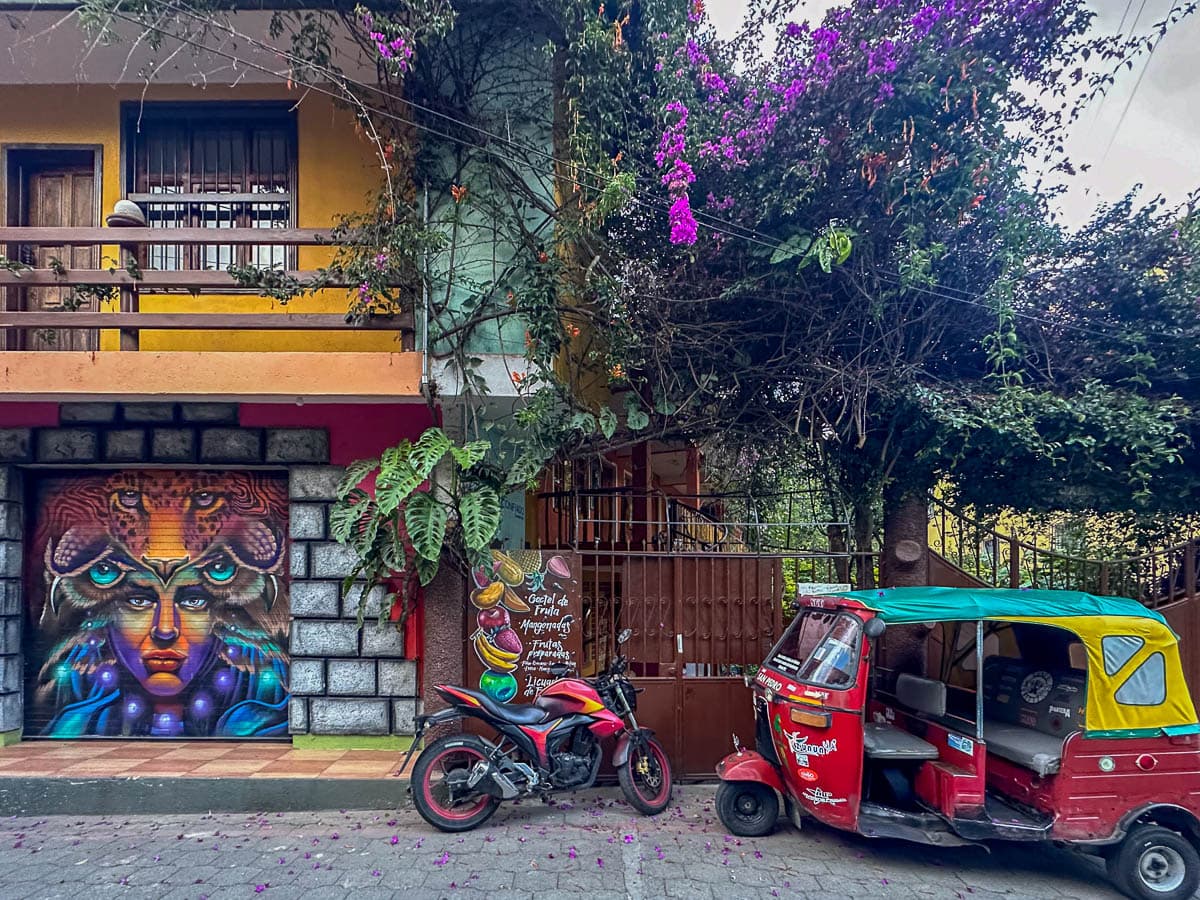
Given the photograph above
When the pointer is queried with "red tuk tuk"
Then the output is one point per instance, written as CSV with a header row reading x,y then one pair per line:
x,y
950,716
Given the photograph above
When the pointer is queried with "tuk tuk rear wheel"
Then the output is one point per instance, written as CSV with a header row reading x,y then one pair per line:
x,y
747,808
1155,863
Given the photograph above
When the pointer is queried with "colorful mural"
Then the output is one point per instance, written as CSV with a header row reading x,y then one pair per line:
x,y
158,606
538,588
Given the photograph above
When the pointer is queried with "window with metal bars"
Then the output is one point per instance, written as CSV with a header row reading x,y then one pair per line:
x,y
212,165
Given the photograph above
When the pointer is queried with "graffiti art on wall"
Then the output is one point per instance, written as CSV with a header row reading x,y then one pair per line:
x,y
158,606
525,594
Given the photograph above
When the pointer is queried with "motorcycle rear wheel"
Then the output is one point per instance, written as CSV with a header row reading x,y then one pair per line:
x,y
440,766
645,777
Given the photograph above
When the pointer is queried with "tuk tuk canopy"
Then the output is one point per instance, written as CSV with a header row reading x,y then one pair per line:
x,y
1135,679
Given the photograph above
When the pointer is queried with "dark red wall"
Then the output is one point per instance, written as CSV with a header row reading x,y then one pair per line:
x,y
355,430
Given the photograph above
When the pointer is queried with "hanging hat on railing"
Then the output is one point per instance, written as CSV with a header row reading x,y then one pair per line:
x,y
126,214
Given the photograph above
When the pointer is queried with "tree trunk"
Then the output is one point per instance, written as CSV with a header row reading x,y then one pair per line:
x,y
904,562
905,559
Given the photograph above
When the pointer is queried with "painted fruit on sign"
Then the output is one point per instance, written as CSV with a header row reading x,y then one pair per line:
x,y
500,686
516,599
493,619
506,639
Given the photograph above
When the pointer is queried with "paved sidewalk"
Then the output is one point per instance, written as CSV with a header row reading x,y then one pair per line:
x,y
591,844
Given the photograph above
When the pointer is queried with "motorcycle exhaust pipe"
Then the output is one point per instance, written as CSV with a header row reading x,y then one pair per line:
x,y
487,778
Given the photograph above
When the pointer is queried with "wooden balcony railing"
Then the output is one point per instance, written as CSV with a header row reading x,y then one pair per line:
x,y
44,265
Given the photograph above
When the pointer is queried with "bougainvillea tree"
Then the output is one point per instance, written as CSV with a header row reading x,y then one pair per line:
x,y
863,258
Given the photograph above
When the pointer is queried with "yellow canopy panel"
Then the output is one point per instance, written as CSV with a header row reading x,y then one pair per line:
x,y
1135,678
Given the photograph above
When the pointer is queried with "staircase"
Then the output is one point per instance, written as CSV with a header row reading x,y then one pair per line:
x,y
964,551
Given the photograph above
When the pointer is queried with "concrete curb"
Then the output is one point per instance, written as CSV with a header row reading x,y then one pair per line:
x,y
157,796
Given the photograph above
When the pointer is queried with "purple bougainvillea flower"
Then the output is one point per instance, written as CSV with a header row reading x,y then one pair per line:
x,y
600,862
571,852
443,859
629,838
395,839
259,888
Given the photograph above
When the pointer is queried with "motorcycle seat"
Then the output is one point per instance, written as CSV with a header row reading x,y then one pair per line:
x,y
517,713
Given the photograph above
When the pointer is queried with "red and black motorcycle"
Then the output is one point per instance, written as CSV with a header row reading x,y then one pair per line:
x,y
550,745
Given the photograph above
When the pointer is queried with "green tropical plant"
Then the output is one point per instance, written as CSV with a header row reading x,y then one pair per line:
x,y
403,512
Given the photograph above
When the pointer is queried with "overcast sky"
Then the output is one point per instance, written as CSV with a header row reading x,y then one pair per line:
x,y
1157,142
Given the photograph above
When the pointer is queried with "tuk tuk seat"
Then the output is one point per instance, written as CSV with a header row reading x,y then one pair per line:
x,y
886,741
1032,749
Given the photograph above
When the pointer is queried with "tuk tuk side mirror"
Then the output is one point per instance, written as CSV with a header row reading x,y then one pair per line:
x,y
874,628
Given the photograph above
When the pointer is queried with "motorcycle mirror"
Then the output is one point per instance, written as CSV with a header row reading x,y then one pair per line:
x,y
625,635
874,628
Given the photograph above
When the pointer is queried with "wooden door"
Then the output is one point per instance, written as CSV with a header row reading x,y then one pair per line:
x,y
60,196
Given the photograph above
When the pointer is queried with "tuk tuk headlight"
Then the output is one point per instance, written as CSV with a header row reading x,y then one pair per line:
x,y
769,695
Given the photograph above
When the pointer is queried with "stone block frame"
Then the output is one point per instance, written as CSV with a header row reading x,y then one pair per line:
x,y
346,681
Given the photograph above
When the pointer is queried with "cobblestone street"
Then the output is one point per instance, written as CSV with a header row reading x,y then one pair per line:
x,y
589,844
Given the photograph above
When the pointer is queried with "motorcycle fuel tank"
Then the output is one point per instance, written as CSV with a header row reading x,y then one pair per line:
x,y
570,695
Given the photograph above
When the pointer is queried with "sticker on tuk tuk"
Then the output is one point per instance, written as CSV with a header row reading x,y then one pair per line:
x,y
818,797
806,774
961,744
767,681
802,749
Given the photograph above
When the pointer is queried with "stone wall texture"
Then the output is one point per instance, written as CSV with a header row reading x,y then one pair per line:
x,y
11,663
345,680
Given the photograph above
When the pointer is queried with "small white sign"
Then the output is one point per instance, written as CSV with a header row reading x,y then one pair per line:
x,y
817,588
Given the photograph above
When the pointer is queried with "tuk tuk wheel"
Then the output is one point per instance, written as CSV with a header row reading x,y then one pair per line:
x,y
1155,863
747,808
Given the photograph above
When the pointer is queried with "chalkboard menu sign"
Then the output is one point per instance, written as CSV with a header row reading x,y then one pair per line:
x,y
527,619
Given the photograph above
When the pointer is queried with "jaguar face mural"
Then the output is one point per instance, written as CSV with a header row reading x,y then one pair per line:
x,y
158,606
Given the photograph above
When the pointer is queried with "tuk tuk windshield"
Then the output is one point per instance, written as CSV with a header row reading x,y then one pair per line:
x,y
820,647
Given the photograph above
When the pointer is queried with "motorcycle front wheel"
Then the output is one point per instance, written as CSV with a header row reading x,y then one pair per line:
x,y
645,777
439,787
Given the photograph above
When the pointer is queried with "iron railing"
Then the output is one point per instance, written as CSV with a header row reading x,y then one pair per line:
x,y
1001,559
653,520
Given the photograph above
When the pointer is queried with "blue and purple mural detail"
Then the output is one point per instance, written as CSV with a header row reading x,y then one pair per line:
x,y
158,606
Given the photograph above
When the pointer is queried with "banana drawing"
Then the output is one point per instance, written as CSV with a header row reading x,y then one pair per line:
x,y
493,657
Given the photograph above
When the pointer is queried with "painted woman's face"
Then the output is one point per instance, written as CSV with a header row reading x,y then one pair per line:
x,y
162,629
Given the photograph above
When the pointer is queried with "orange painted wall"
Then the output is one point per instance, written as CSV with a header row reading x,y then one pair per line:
x,y
337,171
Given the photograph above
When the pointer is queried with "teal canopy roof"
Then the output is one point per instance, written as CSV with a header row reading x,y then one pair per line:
x,y
943,604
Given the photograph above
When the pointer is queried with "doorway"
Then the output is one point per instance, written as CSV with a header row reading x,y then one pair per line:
x,y
51,187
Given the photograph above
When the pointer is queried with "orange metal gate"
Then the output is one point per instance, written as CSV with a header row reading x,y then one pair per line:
x,y
697,621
